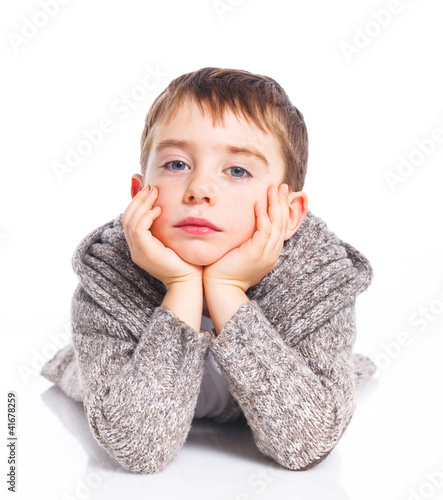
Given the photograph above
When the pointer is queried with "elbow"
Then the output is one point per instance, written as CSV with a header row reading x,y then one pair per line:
x,y
302,455
141,455
304,459
141,449
310,441
148,464
298,457
309,464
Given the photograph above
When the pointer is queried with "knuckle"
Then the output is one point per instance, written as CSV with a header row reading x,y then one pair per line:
x,y
138,231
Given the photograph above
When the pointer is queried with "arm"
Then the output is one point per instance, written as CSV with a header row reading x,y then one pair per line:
x,y
139,398
185,300
223,302
298,401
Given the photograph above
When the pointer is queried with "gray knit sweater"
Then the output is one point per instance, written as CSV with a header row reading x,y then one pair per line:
x,y
287,355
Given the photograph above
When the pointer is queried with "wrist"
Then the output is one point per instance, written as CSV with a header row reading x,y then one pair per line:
x,y
223,301
231,286
185,300
191,285
216,289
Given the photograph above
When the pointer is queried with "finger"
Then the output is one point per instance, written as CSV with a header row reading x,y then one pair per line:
x,y
139,199
133,205
144,221
140,225
274,208
264,224
144,246
284,201
279,213
275,216
282,224
141,215
140,208
142,235
264,228
283,211
136,201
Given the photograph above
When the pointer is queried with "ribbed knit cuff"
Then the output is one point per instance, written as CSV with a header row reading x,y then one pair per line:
x,y
172,343
248,349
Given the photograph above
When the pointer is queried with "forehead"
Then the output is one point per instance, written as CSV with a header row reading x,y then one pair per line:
x,y
189,121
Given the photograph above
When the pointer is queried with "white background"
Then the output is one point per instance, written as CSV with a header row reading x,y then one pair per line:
x,y
363,112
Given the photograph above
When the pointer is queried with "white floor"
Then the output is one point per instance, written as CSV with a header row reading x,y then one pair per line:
x,y
392,447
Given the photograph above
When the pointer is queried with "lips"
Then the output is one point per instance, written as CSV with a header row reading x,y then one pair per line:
x,y
196,221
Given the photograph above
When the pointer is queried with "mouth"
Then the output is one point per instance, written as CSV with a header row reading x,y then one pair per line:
x,y
194,225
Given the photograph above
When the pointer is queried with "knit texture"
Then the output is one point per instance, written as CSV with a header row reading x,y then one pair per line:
x,y
287,355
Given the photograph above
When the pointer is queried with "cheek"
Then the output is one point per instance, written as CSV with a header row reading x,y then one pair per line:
x,y
159,225
165,200
243,218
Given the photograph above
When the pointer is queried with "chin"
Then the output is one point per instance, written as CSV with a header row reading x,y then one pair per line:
x,y
199,256
198,260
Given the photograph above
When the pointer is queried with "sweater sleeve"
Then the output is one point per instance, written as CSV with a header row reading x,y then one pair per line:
x,y
297,400
139,397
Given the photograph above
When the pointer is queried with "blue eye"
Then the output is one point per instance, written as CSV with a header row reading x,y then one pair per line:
x,y
240,170
237,171
172,162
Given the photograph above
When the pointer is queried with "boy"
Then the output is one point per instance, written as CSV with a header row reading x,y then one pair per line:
x,y
217,293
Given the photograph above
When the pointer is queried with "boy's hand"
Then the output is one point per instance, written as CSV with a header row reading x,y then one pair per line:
x,y
246,265
147,251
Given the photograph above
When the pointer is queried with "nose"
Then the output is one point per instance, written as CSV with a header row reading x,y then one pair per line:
x,y
202,188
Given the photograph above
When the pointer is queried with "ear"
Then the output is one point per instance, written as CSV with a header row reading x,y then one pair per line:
x,y
137,184
298,206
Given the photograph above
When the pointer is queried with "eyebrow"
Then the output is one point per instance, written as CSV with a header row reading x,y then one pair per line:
x,y
184,144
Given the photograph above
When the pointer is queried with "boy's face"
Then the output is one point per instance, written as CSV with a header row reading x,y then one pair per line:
x,y
205,179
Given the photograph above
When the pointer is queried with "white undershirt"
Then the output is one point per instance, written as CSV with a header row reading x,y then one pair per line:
x,y
214,393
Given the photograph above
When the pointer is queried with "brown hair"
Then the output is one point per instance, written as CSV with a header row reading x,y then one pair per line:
x,y
258,98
